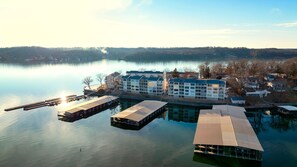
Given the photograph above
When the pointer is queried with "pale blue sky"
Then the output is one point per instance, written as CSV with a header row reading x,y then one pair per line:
x,y
149,23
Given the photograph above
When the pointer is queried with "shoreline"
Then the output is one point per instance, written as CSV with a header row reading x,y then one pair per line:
x,y
182,101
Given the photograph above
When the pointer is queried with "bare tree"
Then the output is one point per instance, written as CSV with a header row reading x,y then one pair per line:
x,y
100,77
204,70
87,81
218,69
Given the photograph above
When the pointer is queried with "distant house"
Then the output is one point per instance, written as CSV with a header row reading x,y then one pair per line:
x,y
112,80
270,77
277,85
257,93
237,100
252,82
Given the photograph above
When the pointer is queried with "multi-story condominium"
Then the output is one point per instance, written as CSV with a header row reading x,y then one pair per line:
x,y
197,88
142,84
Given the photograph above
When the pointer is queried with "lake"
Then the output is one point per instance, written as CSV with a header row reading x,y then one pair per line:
x,y
38,138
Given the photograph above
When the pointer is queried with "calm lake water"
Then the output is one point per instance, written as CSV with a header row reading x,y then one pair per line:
x,y
38,138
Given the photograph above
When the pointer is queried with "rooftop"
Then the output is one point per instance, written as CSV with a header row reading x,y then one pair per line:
x,y
198,81
289,108
88,104
142,72
140,111
237,98
226,125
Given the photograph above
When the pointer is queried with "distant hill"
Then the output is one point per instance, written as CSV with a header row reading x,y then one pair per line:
x,y
31,55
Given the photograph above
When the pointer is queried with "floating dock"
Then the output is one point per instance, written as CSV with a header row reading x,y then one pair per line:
x,y
225,131
89,107
139,114
50,102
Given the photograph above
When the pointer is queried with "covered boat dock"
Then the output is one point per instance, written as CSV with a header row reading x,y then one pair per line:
x,y
88,107
225,130
140,113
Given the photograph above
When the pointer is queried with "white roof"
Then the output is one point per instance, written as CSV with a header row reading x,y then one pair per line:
x,y
289,108
140,110
88,104
226,126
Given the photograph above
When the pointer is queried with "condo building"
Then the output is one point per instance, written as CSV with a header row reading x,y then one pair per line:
x,y
143,82
197,88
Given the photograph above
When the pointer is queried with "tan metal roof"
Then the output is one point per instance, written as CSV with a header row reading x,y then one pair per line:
x,y
226,126
89,104
140,110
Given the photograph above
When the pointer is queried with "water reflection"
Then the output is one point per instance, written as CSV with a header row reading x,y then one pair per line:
x,y
262,122
224,161
183,113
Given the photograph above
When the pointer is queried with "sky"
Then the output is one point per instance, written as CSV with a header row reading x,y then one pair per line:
x,y
149,23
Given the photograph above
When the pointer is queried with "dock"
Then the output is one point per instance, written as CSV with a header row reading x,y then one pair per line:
x,y
89,107
225,131
49,102
139,114
287,110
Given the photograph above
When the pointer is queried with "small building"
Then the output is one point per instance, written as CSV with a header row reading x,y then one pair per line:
x,y
257,93
252,82
225,131
270,77
287,110
112,80
277,85
237,100
140,113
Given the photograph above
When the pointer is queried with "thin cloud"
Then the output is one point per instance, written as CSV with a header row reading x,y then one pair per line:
x,y
287,25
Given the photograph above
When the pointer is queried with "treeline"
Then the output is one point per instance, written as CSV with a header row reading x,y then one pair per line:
x,y
32,55
209,54
244,68
79,55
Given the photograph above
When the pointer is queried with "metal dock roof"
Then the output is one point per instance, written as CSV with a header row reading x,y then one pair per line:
x,y
140,111
226,125
289,108
89,104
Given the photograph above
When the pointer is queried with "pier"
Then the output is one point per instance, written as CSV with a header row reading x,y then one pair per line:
x,y
49,102
83,109
139,114
225,131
